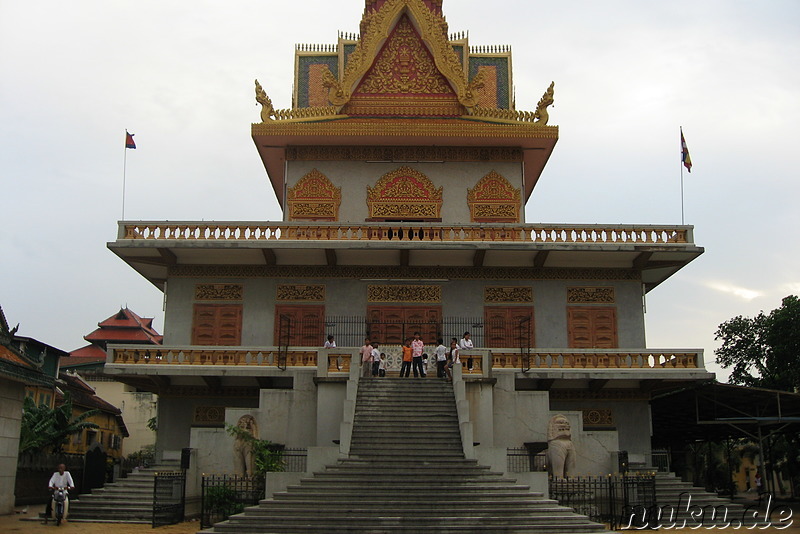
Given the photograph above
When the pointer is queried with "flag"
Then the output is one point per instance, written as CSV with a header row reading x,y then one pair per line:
x,y
685,158
129,140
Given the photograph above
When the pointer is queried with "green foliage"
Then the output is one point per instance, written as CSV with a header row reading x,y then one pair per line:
x,y
152,423
144,456
222,500
43,427
268,456
763,351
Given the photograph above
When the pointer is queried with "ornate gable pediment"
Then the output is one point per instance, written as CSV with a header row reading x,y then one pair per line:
x,y
406,194
494,199
315,198
404,80
404,44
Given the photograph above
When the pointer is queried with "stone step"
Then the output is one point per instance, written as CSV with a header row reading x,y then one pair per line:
x,y
407,474
406,525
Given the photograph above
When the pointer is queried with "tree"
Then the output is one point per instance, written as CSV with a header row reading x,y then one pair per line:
x,y
44,427
763,351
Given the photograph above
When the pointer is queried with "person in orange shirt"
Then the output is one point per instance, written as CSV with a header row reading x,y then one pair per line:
x,y
405,368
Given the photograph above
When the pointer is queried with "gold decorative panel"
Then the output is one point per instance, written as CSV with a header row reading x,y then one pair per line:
x,y
494,199
394,293
218,291
209,415
404,80
505,294
590,295
402,153
297,292
427,272
314,197
405,194
598,418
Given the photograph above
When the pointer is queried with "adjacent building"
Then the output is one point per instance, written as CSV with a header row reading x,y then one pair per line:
x,y
27,367
138,408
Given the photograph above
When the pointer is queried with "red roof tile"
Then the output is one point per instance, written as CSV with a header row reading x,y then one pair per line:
x,y
9,355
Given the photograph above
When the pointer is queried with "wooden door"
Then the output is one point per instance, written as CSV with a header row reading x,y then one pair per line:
x,y
510,327
217,324
592,327
306,325
391,325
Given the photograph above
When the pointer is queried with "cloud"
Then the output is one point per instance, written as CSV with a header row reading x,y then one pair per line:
x,y
741,292
791,288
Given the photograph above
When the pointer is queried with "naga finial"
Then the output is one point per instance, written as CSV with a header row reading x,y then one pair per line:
x,y
470,96
541,116
267,111
336,93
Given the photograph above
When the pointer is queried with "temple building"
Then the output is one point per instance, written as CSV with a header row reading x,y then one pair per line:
x,y
403,169
138,407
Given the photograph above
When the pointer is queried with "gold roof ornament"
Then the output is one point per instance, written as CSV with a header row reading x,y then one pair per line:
x,y
404,82
266,104
541,115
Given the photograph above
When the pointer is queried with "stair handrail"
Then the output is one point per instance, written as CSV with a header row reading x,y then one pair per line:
x,y
462,407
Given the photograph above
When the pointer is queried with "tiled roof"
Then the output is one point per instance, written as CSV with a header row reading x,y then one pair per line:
x,y
83,394
9,355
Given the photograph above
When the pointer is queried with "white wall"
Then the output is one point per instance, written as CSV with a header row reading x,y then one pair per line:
x,y
11,395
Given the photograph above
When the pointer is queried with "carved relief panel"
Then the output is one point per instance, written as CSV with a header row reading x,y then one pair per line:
x,y
494,199
404,194
314,198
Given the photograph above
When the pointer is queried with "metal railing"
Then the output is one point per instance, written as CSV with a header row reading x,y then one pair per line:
x,y
225,495
295,460
520,460
613,500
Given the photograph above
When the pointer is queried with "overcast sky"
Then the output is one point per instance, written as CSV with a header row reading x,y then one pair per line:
x,y
179,75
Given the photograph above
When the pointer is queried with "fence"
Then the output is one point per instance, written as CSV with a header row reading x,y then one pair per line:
x,y
34,470
294,460
521,460
226,495
614,500
350,331
169,498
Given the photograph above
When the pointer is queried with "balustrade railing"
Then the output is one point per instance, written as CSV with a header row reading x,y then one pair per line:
x,y
339,361
282,231
598,360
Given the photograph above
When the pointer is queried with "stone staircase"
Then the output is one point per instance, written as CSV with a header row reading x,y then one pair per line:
x,y
406,473
130,500
694,505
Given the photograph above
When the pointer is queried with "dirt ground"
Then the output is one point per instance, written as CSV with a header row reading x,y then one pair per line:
x,y
28,523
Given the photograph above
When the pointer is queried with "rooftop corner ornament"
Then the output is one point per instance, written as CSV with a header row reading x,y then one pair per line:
x,y
267,111
541,116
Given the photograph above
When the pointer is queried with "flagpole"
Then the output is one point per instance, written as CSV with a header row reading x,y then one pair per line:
x,y
681,164
124,172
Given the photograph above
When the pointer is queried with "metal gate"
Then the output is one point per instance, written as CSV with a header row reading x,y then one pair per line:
x,y
524,334
169,498
94,473
284,337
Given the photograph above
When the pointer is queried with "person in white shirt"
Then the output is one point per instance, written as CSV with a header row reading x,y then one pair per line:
x,y
60,479
442,371
330,343
466,344
376,359
382,366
